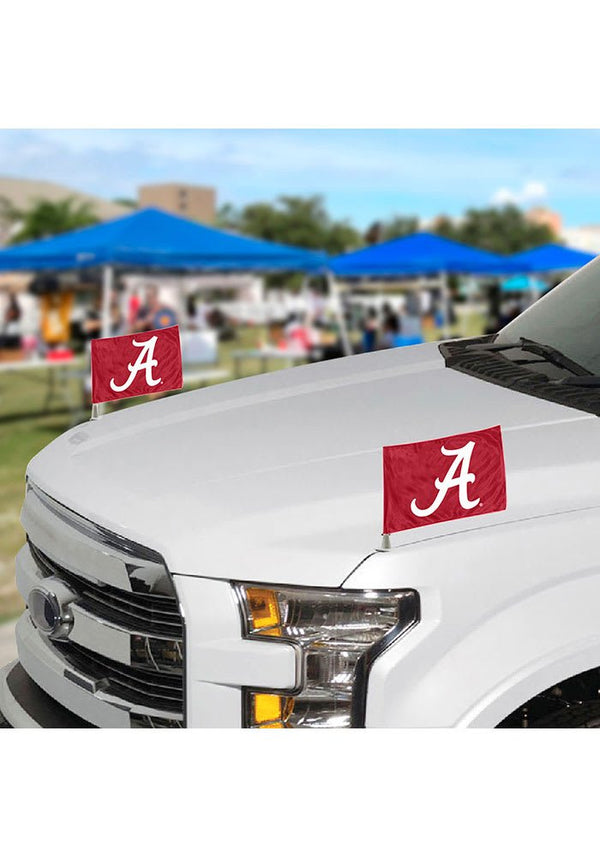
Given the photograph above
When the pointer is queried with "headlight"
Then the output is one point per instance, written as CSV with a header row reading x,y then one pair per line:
x,y
338,634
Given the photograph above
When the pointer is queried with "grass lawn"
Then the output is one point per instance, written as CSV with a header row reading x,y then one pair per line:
x,y
25,429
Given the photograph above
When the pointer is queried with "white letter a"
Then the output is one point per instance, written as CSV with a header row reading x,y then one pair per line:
x,y
145,360
451,480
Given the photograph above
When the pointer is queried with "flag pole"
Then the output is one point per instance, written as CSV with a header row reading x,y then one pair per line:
x,y
107,290
386,544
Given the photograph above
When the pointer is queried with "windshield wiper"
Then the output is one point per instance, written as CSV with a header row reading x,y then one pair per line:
x,y
493,346
578,381
550,355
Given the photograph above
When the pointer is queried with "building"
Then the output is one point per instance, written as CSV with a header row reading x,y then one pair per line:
x,y
193,201
21,194
583,237
545,217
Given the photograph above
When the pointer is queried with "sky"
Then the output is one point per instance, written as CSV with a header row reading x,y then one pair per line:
x,y
364,175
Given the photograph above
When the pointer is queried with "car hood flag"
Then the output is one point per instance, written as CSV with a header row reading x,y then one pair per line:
x,y
440,480
136,365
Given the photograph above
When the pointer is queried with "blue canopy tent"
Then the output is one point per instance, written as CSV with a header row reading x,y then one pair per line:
x,y
524,283
551,257
420,254
151,238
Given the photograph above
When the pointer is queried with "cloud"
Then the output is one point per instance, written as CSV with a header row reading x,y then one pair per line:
x,y
247,164
363,174
531,192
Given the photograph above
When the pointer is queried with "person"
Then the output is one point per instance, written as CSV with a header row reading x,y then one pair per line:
x,y
316,307
390,326
299,336
509,312
369,330
390,331
412,305
11,328
92,324
153,314
191,312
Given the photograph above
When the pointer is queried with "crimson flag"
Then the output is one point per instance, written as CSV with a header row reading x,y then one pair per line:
x,y
439,480
136,364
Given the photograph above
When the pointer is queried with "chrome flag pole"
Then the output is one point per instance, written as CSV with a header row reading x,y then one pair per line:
x,y
107,289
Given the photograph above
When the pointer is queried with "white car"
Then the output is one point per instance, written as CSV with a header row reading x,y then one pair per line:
x,y
216,558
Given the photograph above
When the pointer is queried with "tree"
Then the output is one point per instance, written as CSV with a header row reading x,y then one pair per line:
x,y
126,202
400,226
300,221
45,218
227,217
445,227
374,233
341,238
500,230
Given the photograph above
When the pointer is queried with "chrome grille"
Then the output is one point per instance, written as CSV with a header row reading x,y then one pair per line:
x,y
138,686
143,721
126,644
153,614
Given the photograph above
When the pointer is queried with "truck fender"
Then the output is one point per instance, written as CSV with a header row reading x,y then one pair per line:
x,y
441,676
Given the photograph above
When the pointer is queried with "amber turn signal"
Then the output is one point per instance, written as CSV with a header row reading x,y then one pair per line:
x,y
264,611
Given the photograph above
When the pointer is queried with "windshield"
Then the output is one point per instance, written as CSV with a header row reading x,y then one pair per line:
x,y
568,319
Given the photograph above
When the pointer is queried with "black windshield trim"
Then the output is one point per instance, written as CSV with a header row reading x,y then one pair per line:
x,y
495,368
548,352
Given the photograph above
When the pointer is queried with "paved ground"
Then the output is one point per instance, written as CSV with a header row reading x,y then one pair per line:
x,y
8,649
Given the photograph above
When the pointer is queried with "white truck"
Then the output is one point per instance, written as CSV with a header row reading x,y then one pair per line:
x,y
215,559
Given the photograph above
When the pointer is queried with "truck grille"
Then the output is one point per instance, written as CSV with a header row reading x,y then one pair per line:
x,y
138,686
126,643
151,614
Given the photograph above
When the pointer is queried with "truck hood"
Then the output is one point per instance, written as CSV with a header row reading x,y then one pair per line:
x,y
277,478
